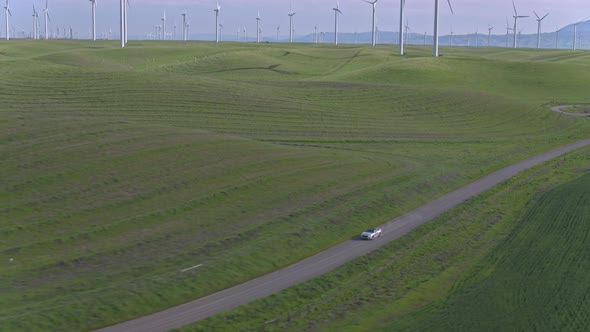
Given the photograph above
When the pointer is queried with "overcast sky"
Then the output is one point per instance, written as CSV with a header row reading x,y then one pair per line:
x,y
145,14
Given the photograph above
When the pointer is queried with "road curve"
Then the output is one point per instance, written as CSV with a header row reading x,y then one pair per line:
x,y
329,259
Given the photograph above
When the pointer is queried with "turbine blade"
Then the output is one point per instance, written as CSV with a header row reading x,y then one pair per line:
x,y
536,15
545,16
450,7
514,6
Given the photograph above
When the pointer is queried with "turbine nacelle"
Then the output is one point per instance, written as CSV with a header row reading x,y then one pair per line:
x,y
540,18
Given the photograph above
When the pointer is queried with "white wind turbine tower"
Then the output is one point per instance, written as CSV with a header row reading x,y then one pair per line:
x,y
373,35
122,21
337,12
407,27
164,26
508,29
6,13
436,14
93,19
216,10
188,34
291,14
490,34
315,35
46,12
576,32
278,32
539,19
127,5
258,19
516,17
34,33
519,34
183,26
401,26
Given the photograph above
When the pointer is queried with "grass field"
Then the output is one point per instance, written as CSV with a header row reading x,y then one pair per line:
x,y
123,167
511,259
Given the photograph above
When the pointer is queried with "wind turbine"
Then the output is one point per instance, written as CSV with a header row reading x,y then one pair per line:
x,y
258,19
316,36
337,12
188,25
164,26
216,10
291,14
539,19
122,21
452,36
489,34
407,27
46,12
6,13
125,7
183,26
576,33
34,33
516,17
93,19
373,36
436,14
401,26
508,29
278,32
519,33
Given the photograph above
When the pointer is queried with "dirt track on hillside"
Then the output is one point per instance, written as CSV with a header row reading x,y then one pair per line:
x,y
558,110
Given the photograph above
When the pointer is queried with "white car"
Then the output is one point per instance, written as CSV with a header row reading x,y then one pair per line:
x,y
371,233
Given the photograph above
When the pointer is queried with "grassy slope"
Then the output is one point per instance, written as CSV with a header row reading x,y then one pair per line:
x,y
535,280
475,268
126,166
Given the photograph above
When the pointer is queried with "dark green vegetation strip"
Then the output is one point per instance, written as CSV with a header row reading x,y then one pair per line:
x,y
514,258
122,167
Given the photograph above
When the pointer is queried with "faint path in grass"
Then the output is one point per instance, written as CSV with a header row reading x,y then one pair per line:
x,y
558,109
331,258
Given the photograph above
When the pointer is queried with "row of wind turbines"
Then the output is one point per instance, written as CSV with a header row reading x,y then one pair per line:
x,y
337,13
161,29
36,23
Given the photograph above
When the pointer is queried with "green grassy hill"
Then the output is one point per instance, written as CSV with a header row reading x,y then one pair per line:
x,y
123,167
535,280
